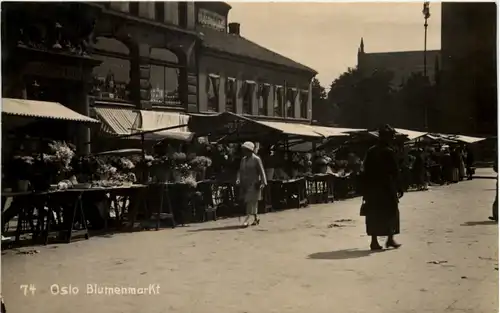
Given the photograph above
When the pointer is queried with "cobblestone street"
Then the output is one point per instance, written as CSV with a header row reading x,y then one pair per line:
x,y
315,259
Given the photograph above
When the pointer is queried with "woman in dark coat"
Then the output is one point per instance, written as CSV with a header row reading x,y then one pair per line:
x,y
381,191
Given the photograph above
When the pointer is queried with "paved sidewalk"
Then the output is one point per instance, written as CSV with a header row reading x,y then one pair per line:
x,y
308,260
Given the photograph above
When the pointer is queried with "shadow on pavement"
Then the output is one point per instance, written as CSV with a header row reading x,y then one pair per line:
x,y
342,254
230,227
478,223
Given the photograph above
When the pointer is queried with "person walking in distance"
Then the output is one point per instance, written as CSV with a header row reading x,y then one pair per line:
x,y
381,191
494,216
251,178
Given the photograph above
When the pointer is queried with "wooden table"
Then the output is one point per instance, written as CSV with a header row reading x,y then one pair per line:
x,y
288,193
69,203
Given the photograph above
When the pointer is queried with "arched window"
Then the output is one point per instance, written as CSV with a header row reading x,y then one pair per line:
x,y
164,77
111,78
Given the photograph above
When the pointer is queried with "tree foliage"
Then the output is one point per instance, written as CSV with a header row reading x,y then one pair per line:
x,y
367,100
363,101
322,112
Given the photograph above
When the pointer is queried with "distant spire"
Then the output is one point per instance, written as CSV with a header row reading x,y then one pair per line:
x,y
362,46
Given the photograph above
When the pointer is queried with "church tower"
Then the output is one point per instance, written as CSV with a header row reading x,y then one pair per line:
x,y
361,53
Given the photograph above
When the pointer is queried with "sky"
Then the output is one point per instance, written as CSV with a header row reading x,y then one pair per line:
x,y
326,36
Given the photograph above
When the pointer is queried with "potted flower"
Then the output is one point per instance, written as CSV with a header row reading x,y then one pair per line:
x,y
180,166
63,154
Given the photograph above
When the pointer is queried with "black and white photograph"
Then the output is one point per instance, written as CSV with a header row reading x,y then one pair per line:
x,y
249,157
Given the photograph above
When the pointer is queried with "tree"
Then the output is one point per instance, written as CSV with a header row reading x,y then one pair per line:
x,y
321,112
413,99
363,100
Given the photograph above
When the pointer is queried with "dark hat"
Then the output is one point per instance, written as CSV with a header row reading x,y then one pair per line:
x,y
386,131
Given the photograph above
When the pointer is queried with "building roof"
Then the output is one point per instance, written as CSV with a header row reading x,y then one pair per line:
x,y
240,46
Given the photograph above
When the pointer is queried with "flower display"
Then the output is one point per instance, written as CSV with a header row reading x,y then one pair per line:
x,y
200,162
62,153
26,159
126,164
189,180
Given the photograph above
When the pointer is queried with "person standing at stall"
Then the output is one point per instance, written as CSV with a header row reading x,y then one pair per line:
x,y
381,190
469,160
251,178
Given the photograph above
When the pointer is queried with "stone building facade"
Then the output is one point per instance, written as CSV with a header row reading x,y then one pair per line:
x,y
240,76
145,65
402,64
468,95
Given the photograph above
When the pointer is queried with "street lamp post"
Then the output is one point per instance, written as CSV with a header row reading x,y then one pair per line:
x,y
426,12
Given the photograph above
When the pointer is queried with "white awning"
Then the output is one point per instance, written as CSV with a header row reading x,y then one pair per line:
x,y
249,81
411,134
332,131
214,75
469,139
292,129
156,120
42,109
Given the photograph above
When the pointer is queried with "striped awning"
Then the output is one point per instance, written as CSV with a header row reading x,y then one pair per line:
x,y
154,122
116,121
42,109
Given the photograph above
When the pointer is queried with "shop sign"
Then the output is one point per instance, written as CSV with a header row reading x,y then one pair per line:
x,y
54,71
212,20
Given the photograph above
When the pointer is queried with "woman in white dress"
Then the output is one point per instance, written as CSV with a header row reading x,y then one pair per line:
x,y
252,179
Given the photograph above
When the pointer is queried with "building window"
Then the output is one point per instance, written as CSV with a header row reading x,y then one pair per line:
x,y
263,95
134,8
278,101
213,83
160,11
247,94
183,13
164,85
303,103
231,95
290,102
112,77
164,78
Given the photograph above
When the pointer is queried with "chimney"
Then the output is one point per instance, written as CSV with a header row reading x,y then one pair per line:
x,y
234,28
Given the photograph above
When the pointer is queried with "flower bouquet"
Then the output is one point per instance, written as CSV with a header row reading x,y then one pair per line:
x,y
62,154
200,164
